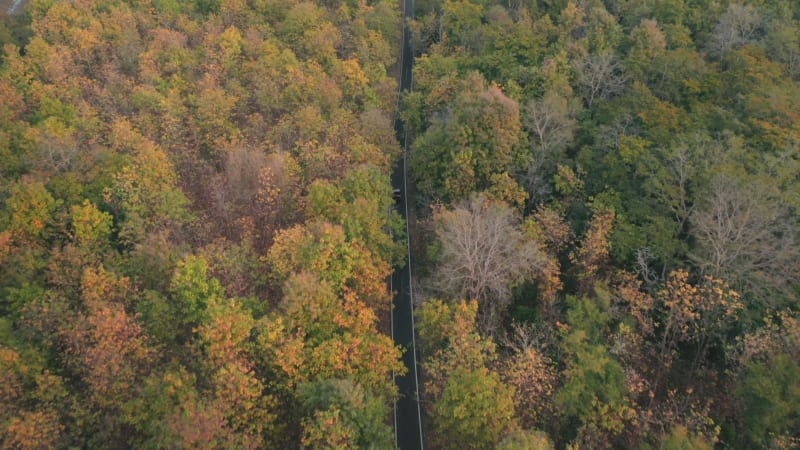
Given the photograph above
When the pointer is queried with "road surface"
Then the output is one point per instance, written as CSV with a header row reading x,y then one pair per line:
x,y
407,413
12,7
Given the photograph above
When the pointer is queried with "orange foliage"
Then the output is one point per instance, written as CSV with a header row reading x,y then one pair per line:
x,y
534,378
325,335
5,244
592,255
33,431
238,393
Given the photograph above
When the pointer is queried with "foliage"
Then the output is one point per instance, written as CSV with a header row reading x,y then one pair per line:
x,y
344,415
175,178
474,410
197,224
655,145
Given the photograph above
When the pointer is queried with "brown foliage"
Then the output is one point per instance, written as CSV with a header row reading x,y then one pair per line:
x,y
593,252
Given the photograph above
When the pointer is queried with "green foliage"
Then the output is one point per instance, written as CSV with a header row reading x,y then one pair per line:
x,y
474,411
363,207
90,226
594,378
342,413
477,137
192,291
772,398
676,96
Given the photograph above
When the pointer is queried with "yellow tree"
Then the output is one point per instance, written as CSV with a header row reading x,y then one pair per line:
x,y
236,411
349,267
323,335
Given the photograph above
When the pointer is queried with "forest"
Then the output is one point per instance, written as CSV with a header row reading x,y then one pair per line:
x,y
197,223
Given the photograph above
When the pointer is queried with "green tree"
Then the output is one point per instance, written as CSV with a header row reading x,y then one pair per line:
x,y
474,411
767,381
192,291
343,414
478,135
594,391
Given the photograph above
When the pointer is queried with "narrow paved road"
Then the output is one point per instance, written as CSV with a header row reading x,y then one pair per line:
x,y
407,417
12,7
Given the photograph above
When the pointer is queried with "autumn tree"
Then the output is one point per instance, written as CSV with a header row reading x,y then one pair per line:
x,y
700,314
323,249
533,375
238,397
324,333
105,349
592,256
30,416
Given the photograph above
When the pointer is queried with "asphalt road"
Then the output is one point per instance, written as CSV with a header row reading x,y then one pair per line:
x,y
12,7
407,413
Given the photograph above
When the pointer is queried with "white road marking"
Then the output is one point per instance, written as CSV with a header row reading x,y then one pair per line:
x,y
408,236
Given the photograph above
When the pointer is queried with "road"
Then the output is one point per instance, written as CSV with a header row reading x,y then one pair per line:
x,y
407,413
12,7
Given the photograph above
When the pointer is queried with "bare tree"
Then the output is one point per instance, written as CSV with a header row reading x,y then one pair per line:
x,y
677,170
550,121
551,126
782,41
600,76
483,255
737,26
746,236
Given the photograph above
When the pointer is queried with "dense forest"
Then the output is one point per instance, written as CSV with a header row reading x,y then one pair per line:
x,y
197,223
607,197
